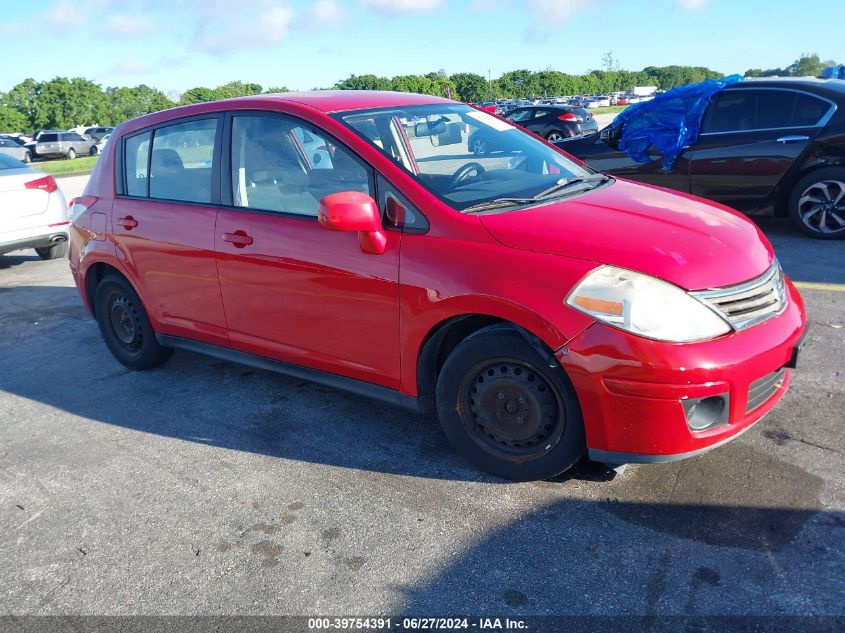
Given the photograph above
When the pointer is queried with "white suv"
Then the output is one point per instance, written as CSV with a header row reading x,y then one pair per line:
x,y
33,212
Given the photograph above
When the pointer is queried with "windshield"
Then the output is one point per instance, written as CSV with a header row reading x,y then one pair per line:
x,y
465,156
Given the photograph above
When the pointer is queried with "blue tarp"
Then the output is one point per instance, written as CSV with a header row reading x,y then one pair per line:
x,y
671,121
834,72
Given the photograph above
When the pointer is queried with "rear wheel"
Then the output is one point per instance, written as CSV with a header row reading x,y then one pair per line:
x,y
554,136
27,158
817,203
504,409
71,154
125,326
93,150
56,251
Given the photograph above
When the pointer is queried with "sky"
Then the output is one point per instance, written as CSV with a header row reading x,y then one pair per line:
x,y
174,45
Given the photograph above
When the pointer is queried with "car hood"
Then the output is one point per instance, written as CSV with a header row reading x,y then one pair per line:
x,y
685,240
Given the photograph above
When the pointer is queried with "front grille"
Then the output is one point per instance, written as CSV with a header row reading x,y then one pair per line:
x,y
751,302
764,388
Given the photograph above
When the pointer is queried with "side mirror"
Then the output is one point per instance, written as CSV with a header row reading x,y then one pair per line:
x,y
354,211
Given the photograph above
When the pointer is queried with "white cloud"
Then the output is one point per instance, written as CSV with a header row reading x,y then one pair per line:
x,y
691,5
401,7
264,29
553,14
324,14
125,26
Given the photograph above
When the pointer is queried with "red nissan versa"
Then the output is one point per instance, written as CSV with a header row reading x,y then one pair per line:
x,y
542,309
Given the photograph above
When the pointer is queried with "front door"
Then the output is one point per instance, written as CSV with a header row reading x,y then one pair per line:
x,y
292,290
749,139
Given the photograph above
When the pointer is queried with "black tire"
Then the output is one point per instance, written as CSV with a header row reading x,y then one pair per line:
x,y
556,136
505,410
71,154
27,158
93,151
125,326
56,251
819,219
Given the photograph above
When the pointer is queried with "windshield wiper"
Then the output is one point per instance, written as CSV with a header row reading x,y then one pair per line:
x,y
561,184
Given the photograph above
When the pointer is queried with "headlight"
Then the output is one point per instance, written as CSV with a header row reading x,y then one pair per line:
x,y
645,306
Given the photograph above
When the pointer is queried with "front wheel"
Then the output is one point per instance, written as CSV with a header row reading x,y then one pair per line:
x,y
125,326
817,204
71,154
27,158
504,409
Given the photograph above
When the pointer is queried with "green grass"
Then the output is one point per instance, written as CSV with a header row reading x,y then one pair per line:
x,y
608,110
74,167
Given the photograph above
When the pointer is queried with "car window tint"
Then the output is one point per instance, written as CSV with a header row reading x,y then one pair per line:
x,y
775,109
48,138
539,114
181,161
136,152
731,111
809,110
519,115
279,164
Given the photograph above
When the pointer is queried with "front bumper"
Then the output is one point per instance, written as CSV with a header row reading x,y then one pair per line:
x,y
632,389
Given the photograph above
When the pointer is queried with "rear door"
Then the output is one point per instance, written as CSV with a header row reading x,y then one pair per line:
x,y
749,139
163,221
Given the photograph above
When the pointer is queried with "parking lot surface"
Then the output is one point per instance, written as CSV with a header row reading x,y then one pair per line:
x,y
207,487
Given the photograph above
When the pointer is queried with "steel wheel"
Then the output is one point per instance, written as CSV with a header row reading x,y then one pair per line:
x,y
513,409
821,206
125,324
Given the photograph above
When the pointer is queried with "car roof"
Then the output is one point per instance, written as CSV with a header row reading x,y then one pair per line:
x,y
326,101
812,84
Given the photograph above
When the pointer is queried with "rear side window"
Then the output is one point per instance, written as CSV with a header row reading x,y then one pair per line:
x,y
181,161
736,111
48,138
519,115
136,156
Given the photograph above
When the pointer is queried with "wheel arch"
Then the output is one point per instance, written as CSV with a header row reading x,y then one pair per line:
x,y
94,274
447,334
787,185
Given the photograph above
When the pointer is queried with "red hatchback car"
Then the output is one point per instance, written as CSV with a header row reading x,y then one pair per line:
x,y
542,309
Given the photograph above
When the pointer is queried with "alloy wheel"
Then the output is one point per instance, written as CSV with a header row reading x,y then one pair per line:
x,y
821,206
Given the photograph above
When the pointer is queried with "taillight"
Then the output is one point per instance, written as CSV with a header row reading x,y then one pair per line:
x,y
47,183
80,205
567,117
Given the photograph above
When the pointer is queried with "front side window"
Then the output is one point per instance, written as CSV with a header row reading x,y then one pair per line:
x,y
434,143
181,161
281,164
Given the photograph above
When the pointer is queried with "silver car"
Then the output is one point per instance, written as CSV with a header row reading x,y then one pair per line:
x,y
64,145
10,148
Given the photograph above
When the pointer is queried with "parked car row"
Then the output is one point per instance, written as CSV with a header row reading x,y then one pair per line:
x,y
503,106
45,144
552,122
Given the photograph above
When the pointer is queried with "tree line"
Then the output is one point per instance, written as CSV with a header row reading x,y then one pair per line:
x,y
62,103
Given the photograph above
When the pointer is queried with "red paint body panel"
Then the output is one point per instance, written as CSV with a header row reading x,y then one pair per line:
x,y
306,295
642,412
682,239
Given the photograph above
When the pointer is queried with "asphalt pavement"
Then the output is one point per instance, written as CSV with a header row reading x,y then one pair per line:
x,y
204,487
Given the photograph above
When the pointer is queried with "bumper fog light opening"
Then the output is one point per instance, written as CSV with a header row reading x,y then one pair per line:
x,y
706,413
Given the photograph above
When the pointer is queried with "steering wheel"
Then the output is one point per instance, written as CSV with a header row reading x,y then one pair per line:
x,y
463,174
